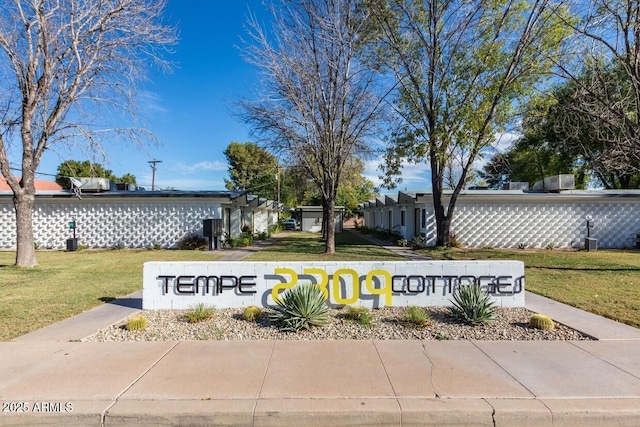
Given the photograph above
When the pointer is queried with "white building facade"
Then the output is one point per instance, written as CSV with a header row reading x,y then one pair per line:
x,y
512,219
135,219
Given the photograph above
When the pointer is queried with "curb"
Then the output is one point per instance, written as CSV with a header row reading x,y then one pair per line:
x,y
343,412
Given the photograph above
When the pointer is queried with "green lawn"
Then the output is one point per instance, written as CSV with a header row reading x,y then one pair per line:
x,y
605,282
299,246
68,283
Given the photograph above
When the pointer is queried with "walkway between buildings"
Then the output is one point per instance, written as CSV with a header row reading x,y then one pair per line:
x,y
48,378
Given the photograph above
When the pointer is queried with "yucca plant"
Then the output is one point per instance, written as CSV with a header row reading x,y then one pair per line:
x,y
359,314
416,315
199,313
473,305
301,307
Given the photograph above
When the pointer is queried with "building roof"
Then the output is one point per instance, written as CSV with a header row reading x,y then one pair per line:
x,y
41,185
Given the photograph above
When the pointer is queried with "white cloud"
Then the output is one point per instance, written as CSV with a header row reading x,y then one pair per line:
x,y
414,176
150,104
215,166
418,176
505,140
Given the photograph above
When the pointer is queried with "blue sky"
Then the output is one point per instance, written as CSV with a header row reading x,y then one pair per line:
x,y
190,110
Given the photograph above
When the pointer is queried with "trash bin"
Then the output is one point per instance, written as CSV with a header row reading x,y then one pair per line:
x,y
590,244
72,244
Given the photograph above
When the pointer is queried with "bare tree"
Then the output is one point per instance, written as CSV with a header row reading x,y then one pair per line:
x,y
461,66
605,74
59,61
318,102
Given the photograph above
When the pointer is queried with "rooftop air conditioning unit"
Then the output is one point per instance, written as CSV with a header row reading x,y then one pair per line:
x,y
95,185
556,183
126,187
559,182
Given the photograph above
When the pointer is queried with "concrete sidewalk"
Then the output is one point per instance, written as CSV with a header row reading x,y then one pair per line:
x,y
322,383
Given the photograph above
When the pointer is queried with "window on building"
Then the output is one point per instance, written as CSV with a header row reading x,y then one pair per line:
x,y
424,218
402,218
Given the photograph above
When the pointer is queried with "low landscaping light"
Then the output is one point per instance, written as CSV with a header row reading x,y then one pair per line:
x,y
72,244
589,243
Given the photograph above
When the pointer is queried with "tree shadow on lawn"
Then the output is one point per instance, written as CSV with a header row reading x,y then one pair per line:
x,y
315,245
123,302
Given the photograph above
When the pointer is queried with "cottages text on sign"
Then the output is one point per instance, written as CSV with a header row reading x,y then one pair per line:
x,y
181,285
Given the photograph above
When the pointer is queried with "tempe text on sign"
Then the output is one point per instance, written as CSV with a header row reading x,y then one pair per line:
x,y
182,285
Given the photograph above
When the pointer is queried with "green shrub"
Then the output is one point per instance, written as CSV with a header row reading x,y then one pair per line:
x,y
193,242
301,307
359,314
416,315
199,313
473,305
418,242
137,323
263,235
403,243
243,241
540,321
252,314
442,336
273,229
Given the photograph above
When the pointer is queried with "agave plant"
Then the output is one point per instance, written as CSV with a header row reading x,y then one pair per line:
x,y
301,307
473,305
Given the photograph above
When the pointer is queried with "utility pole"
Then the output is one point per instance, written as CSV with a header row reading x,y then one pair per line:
x,y
153,173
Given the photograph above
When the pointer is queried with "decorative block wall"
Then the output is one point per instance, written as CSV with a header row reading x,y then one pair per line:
x,y
502,220
538,225
104,224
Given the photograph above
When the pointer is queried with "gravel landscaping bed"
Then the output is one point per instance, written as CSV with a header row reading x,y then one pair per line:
x,y
227,324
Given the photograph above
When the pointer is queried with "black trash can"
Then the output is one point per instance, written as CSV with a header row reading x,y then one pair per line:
x,y
72,244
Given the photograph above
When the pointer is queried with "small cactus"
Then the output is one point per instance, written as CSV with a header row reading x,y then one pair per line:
x,y
252,314
137,323
540,321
